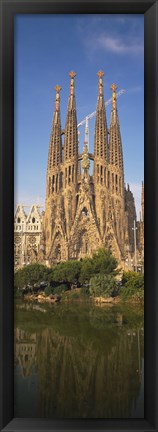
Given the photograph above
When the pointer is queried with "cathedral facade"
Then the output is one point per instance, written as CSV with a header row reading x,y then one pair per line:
x,y
85,210
28,228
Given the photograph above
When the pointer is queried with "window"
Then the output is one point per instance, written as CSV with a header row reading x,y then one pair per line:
x,y
33,220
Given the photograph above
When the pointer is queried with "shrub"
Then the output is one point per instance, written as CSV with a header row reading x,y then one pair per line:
x,y
130,293
60,289
67,271
30,274
48,290
133,280
102,262
102,285
85,290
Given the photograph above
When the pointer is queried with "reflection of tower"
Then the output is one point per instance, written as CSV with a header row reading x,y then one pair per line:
x,y
105,380
25,351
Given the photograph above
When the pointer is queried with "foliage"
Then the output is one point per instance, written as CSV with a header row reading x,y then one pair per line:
x,y
17,293
85,290
130,293
72,295
86,270
30,274
67,271
102,262
48,290
133,280
133,287
102,285
60,289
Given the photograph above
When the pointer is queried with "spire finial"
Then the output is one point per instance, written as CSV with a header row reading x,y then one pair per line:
x,y
113,88
100,83
100,74
57,88
72,75
57,97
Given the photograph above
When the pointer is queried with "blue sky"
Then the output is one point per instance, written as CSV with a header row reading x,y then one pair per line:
x,y
46,48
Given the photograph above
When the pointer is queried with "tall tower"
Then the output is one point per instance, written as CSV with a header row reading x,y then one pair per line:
x,y
142,203
54,181
101,157
70,157
55,149
116,174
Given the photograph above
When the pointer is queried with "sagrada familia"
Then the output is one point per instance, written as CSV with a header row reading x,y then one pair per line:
x,y
84,210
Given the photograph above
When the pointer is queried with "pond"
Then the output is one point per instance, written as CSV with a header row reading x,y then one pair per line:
x,y
78,360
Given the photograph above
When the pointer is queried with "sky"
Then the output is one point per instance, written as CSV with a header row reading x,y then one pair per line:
x,y
46,49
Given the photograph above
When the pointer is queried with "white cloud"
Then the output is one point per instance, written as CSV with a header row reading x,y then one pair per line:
x,y
118,45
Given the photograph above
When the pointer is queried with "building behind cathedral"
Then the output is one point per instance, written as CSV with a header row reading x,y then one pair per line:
x,y
84,210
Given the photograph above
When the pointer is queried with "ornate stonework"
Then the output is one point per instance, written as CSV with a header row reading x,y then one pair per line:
x,y
83,211
27,235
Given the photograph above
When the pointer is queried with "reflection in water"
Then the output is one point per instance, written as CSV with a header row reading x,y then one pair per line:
x,y
79,361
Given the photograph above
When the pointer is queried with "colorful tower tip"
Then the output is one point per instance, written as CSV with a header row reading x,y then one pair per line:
x,y
100,74
57,88
72,74
113,87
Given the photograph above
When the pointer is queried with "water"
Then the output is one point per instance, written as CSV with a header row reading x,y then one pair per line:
x,y
79,361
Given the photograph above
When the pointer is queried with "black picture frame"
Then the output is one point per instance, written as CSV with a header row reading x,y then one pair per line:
x,y
8,9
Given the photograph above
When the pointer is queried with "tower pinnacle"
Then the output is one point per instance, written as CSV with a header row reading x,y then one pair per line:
x,y
100,82
57,97
115,144
72,75
101,136
114,88
71,135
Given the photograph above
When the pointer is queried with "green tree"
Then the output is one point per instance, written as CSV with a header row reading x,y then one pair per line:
x,y
133,280
102,285
66,272
32,273
133,287
102,262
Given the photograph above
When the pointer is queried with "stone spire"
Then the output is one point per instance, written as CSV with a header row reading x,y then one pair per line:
x,y
101,134
115,144
142,202
85,160
55,146
71,135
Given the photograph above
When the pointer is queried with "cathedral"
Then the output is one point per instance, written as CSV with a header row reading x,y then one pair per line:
x,y
85,210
